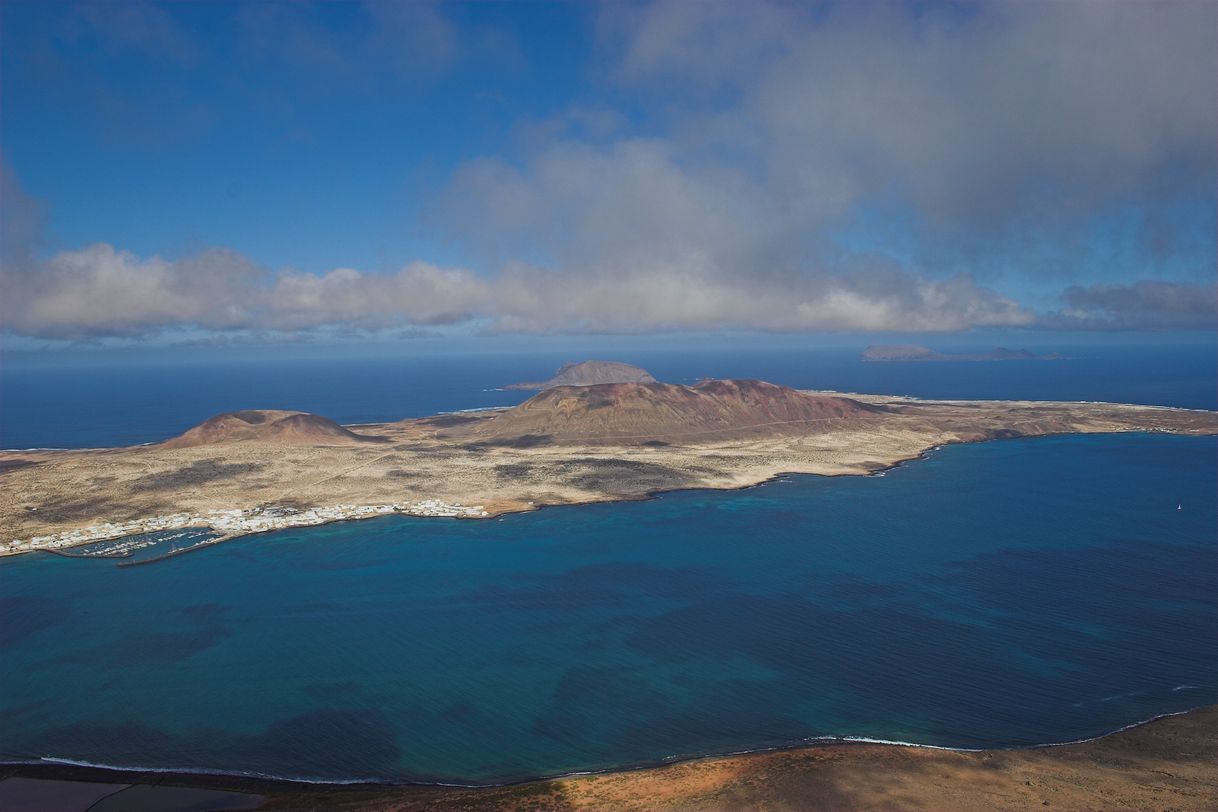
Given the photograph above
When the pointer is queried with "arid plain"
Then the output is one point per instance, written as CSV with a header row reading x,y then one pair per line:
x,y
567,445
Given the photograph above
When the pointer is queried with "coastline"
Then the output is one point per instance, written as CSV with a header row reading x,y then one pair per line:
x,y
538,473
1194,731
808,743
434,509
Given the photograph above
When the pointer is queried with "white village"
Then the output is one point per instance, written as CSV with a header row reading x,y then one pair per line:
x,y
233,523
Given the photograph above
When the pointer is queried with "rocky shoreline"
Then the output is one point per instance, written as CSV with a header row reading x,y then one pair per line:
x,y
1164,764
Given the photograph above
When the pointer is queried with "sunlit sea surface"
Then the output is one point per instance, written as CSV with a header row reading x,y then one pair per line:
x,y
1006,593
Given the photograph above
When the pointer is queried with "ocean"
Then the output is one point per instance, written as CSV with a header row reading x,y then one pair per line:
x,y
1008,593
63,406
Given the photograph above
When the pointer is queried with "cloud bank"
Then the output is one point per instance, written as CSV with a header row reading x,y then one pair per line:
x,y
1142,305
724,181
993,128
100,291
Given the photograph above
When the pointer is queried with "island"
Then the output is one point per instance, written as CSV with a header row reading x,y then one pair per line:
x,y
913,352
590,373
253,471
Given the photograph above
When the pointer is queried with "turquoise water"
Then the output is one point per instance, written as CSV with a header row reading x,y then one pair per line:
x,y
1007,593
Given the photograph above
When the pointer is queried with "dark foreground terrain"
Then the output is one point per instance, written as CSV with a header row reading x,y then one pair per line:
x,y
1168,764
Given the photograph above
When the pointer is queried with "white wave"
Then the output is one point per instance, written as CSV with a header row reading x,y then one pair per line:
x,y
811,740
891,742
44,449
75,762
1113,732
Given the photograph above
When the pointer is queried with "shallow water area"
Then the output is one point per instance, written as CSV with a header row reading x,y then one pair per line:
x,y
1006,593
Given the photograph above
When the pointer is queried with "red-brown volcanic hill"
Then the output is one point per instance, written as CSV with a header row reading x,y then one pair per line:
x,y
590,373
268,426
640,412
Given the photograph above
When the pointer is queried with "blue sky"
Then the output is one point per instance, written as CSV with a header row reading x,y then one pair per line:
x,y
280,156
228,172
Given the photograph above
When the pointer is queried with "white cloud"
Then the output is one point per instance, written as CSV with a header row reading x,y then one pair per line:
x,y
974,113
420,293
769,126
531,299
100,291
999,123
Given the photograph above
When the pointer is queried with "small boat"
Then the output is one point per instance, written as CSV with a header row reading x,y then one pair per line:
x,y
1180,506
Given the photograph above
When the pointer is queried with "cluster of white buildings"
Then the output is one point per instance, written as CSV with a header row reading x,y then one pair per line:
x,y
101,532
237,522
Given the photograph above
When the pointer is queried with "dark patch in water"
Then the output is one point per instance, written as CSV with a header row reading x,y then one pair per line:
x,y
325,742
806,642
597,584
585,705
205,612
847,588
742,708
333,690
674,582
155,646
126,742
1116,586
168,646
458,712
26,616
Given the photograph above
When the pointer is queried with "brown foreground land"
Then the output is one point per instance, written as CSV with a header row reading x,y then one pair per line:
x,y
1167,764
589,444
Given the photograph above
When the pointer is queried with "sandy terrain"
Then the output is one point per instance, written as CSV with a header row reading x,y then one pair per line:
x,y
464,460
1165,765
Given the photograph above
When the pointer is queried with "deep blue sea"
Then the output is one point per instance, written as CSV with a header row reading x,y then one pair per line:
x,y
1006,593
62,406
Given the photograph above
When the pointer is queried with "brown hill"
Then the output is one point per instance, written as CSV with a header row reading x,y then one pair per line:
x,y
590,373
267,426
663,413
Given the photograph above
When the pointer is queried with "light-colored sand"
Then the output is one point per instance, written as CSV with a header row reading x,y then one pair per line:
x,y
449,460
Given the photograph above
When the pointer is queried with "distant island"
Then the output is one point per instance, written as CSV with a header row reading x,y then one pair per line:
x,y
913,352
257,470
590,373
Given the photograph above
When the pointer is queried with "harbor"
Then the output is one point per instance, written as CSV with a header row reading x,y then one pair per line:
x,y
228,524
